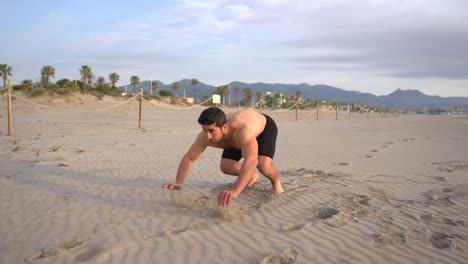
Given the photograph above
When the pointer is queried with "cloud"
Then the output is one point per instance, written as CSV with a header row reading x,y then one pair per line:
x,y
404,43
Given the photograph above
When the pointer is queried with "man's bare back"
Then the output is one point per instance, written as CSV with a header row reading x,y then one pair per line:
x,y
242,125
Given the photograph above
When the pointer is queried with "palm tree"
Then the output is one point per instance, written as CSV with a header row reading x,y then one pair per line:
x,y
101,81
27,84
154,86
248,95
223,91
175,86
259,96
90,81
47,72
195,82
278,100
5,71
86,75
237,91
134,80
298,94
114,78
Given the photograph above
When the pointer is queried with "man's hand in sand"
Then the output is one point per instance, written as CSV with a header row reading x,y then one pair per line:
x,y
172,186
225,197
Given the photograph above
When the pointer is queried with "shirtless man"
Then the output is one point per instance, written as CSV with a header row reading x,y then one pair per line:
x,y
244,134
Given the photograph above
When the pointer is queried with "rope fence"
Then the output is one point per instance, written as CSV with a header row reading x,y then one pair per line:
x,y
71,110
179,108
258,105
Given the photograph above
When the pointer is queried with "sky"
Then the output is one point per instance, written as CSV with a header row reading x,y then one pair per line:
x,y
374,46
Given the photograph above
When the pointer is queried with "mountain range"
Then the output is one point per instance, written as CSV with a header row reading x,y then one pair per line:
x,y
411,100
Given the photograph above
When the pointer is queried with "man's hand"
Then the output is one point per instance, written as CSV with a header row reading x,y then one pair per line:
x,y
172,186
225,197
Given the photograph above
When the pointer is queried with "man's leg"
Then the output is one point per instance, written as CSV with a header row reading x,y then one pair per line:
x,y
233,167
267,168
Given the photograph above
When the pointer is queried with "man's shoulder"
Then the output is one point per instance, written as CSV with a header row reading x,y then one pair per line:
x,y
202,138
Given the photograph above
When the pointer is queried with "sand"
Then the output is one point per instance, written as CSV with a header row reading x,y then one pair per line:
x,y
84,186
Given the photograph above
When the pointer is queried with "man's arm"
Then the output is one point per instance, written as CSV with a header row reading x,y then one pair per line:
x,y
185,164
249,150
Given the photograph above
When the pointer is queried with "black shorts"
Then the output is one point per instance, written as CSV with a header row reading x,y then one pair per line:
x,y
266,142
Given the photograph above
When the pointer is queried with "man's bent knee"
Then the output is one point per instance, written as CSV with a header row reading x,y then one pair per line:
x,y
264,165
229,166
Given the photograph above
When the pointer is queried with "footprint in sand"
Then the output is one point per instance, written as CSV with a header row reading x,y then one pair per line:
x,y
54,250
443,197
451,222
441,179
92,252
389,238
373,150
361,199
343,164
17,149
326,212
443,240
426,217
451,166
288,256
290,227
199,226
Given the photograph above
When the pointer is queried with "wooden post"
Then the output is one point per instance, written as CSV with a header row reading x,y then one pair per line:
x,y
367,114
10,120
139,114
297,107
336,111
318,105
349,114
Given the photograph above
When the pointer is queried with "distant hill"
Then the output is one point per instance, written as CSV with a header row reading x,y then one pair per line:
x,y
400,99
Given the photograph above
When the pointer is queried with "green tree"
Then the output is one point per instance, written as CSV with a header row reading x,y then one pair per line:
x,y
277,100
86,76
46,73
298,95
114,78
134,80
154,86
194,82
101,81
237,91
64,83
248,96
223,91
27,85
175,87
5,71
259,96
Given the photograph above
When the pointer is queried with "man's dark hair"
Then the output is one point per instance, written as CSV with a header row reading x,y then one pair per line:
x,y
212,115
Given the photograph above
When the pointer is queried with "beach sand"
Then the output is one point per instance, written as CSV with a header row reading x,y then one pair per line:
x,y
84,186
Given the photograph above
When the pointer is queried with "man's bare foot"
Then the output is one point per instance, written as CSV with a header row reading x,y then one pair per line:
x,y
278,187
253,180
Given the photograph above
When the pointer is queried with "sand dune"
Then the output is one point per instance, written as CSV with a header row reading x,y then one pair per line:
x,y
85,187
